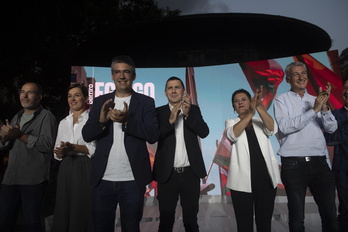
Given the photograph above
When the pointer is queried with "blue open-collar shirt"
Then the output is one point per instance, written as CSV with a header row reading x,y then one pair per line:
x,y
300,128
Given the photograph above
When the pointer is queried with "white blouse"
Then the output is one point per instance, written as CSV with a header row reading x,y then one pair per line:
x,y
72,133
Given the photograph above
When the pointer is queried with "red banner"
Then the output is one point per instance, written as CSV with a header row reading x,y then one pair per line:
x,y
267,73
318,76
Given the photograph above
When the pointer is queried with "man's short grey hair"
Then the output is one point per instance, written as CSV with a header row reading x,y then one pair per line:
x,y
291,65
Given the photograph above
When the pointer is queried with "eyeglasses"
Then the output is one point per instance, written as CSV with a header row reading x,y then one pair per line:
x,y
297,74
120,72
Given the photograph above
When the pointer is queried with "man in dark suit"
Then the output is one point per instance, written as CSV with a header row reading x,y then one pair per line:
x,y
339,139
121,122
179,163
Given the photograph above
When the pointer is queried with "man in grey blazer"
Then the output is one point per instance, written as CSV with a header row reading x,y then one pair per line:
x,y
179,163
121,122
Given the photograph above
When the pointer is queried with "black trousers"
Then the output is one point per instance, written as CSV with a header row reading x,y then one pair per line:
x,y
185,185
31,197
260,202
343,207
297,175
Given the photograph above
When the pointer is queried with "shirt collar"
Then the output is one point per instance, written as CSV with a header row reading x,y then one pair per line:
x,y
39,109
296,94
81,116
170,106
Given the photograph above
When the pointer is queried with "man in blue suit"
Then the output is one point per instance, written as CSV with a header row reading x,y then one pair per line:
x,y
121,122
179,162
339,139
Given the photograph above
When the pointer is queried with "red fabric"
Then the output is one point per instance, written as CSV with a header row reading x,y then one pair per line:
x,y
223,182
151,148
223,153
192,91
191,85
267,73
318,76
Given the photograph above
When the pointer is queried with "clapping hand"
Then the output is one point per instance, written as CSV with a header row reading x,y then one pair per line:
x,y
64,149
323,96
186,104
256,100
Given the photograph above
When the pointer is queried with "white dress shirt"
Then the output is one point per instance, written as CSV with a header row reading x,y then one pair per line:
x,y
70,132
181,157
300,128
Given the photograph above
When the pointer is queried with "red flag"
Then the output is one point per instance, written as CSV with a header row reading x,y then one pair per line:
x,y
191,90
318,76
267,73
151,148
222,159
223,153
191,85
334,60
223,182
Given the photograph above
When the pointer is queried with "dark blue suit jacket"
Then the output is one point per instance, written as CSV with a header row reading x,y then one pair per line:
x,y
142,127
339,139
194,126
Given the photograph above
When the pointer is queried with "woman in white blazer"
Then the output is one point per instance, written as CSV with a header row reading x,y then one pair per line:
x,y
253,172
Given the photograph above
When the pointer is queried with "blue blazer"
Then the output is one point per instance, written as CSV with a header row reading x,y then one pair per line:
x,y
142,127
194,126
339,139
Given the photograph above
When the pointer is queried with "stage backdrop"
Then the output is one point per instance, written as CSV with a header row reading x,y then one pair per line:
x,y
211,88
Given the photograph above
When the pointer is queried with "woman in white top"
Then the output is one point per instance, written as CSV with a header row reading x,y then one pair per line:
x,y
253,172
73,209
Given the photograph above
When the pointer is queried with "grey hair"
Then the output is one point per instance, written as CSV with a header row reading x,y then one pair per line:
x,y
291,65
